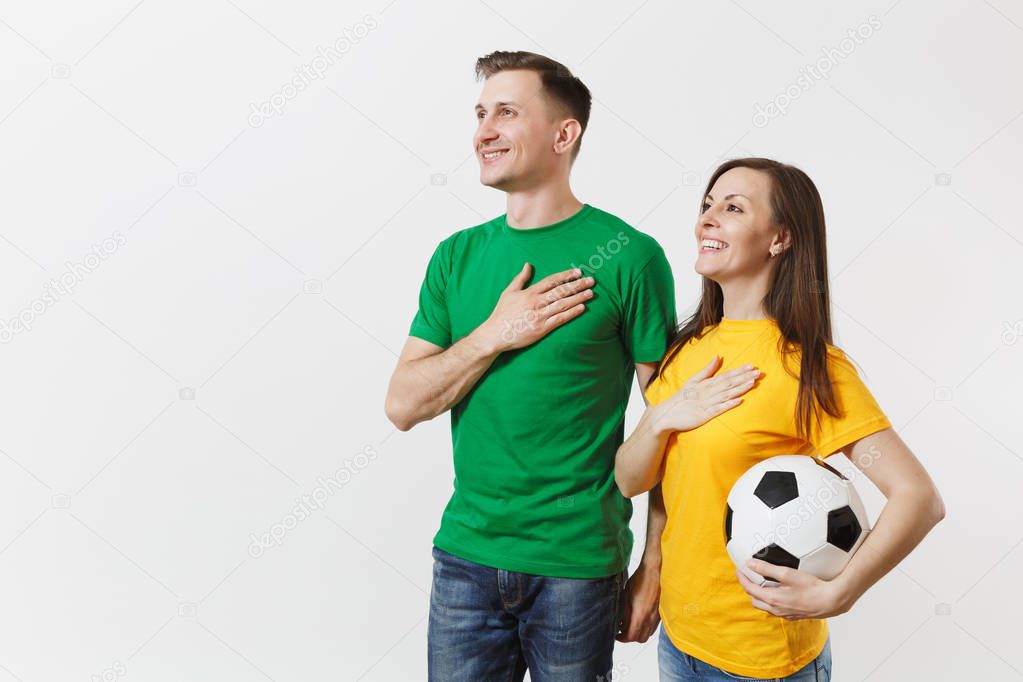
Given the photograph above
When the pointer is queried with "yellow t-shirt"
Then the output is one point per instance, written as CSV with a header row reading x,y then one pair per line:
x,y
704,609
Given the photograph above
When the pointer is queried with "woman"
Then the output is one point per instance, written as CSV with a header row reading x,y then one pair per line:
x,y
764,316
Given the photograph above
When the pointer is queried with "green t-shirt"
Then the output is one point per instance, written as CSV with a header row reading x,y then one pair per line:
x,y
535,439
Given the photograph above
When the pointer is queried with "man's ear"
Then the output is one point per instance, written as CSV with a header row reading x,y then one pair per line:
x,y
568,134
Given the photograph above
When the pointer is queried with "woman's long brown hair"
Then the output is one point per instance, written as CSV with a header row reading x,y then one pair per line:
x,y
797,298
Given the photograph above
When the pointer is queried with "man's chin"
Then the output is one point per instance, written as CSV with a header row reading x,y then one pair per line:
x,y
498,182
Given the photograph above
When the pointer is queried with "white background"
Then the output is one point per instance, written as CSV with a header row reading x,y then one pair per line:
x,y
237,345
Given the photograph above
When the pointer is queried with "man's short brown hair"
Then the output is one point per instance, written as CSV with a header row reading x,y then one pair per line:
x,y
566,92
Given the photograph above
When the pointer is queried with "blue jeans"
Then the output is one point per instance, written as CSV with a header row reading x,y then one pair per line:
x,y
491,624
677,666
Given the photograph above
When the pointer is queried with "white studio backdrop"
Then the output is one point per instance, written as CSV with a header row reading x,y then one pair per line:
x,y
206,273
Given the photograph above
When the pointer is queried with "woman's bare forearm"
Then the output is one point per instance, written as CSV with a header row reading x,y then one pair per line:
x,y
640,458
907,517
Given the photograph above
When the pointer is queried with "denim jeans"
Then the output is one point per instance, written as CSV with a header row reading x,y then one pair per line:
x,y
491,624
677,666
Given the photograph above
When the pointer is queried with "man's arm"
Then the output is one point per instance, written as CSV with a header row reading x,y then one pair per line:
x,y
656,515
430,380
641,616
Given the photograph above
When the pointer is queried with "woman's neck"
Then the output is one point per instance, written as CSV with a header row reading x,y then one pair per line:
x,y
744,300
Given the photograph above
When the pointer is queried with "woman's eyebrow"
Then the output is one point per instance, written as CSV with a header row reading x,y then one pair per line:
x,y
730,196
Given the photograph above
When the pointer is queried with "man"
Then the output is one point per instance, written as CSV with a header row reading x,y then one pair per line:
x,y
528,330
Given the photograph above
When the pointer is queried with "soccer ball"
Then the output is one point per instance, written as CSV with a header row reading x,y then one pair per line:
x,y
795,511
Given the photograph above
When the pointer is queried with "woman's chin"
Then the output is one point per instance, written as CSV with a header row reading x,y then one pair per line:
x,y
705,269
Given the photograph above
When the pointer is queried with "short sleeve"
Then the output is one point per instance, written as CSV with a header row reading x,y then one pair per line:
x,y
432,321
649,310
859,413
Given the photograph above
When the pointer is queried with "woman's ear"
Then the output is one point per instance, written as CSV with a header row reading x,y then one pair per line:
x,y
782,241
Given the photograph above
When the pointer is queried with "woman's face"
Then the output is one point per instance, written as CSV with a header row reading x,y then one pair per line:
x,y
735,233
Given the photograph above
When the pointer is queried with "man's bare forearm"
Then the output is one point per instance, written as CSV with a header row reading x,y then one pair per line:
x,y
656,518
423,388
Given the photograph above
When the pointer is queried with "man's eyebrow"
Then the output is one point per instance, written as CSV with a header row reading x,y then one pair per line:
x,y
499,104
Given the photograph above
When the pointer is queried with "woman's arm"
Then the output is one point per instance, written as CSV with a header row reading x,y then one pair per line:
x,y
639,462
913,508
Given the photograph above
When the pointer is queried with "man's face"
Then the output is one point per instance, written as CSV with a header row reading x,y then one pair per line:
x,y
516,133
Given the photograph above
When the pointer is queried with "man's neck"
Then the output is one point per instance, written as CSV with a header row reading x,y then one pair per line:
x,y
541,206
